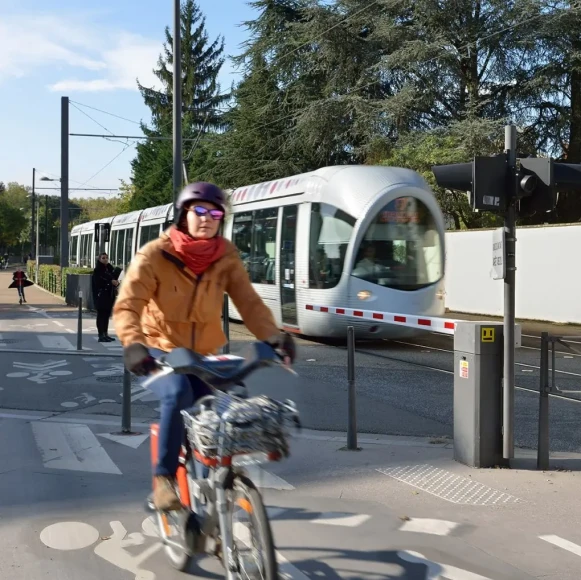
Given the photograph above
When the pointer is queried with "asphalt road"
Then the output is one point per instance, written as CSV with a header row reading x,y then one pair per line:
x,y
403,387
73,489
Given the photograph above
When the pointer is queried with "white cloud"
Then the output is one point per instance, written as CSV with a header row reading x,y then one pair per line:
x,y
74,49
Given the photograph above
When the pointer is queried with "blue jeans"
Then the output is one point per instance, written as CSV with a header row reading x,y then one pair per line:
x,y
175,392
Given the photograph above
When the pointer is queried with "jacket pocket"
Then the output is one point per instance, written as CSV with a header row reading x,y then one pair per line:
x,y
174,303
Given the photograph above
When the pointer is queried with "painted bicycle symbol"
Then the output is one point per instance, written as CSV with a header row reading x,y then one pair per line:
x,y
39,373
113,549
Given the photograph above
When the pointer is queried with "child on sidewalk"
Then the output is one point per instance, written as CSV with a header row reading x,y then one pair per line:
x,y
20,281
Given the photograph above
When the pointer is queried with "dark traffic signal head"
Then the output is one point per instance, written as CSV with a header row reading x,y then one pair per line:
x,y
485,178
536,190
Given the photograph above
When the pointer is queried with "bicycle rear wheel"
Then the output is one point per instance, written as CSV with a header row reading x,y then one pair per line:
x,y
253,542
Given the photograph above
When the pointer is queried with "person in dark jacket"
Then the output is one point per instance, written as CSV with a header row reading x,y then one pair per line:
x,y
104,285
20,281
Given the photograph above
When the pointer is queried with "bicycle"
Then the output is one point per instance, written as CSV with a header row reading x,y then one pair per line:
x,y
222,432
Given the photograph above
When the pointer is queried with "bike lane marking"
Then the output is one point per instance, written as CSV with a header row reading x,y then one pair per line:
x,y
72,447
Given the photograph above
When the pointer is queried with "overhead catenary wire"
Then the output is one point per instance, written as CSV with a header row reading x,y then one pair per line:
x,y
107,164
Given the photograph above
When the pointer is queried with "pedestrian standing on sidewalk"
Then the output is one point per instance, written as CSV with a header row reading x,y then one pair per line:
x,y
104,284
20,281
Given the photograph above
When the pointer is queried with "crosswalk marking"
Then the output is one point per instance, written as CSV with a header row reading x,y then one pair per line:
x,y
59,342
340,519
428,526
562,543
55,342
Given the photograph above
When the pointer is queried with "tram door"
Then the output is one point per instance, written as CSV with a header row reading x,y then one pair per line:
x,y
288,236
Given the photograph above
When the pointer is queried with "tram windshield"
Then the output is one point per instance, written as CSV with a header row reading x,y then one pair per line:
x,y
331,231
401,248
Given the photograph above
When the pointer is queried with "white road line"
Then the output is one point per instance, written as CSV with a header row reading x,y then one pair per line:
x,y
562,543
73,447
341,519
133,441
55,341
428,526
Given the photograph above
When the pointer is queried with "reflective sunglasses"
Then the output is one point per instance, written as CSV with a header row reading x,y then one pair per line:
x,y
216,214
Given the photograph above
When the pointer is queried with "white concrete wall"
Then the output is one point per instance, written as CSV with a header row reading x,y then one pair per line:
x,y
548,276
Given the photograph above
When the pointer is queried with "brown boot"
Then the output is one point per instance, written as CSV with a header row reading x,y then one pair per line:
x,y
164,494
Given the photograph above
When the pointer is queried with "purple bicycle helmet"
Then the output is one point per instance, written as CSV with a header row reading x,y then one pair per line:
x,y
200,191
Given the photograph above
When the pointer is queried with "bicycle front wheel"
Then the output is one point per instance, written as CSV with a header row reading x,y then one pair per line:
x,y
253,539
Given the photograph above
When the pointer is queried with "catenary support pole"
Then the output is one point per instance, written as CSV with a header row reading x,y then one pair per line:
x,y
64,257
36,266
177,101
509,302
33,217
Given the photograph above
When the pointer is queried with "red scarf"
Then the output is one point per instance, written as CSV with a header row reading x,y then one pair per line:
x,y
197,255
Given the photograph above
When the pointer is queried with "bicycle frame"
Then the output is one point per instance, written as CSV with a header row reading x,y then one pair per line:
x,y
205,496
212,487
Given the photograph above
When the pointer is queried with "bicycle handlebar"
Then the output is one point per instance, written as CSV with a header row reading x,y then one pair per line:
x,y
217,371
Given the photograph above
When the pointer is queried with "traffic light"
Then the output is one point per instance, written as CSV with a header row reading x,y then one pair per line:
x,y
536,190
492,184
485,179
102,233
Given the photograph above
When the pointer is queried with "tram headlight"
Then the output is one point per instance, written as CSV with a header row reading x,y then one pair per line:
x,y
364,295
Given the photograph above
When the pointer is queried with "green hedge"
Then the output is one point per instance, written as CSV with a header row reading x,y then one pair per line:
x,y
49,276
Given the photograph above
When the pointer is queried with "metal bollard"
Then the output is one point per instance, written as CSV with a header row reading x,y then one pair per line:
x,y
352,411
225,309
126,408
544,388
80,323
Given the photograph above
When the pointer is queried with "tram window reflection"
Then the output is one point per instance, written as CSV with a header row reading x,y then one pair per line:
x,y
401,248
331,231
254,234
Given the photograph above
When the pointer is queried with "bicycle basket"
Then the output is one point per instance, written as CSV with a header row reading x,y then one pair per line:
x,y
224,425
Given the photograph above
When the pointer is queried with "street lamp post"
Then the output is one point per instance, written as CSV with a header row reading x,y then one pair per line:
x,y
46,213
37,242
32,220
36,208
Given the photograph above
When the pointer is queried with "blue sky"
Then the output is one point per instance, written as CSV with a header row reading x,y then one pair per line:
x,y
91,52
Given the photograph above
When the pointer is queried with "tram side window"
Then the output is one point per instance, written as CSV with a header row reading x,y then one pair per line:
x,y
254,234
85,257
331,230
128,247
119,248
263,260
112,247
242,236
74,248
147,234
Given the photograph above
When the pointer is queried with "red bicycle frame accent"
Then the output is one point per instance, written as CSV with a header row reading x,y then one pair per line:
x,y
181,475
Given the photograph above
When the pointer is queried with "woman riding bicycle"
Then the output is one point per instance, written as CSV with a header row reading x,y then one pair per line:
x,y
172,296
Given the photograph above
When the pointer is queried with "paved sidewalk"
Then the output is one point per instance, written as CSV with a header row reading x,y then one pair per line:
x,y
351,513
35,295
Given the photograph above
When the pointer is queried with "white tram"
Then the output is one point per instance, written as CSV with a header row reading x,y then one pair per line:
x,y
367,237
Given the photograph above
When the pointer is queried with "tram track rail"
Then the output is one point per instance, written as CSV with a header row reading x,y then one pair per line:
x,y
433,342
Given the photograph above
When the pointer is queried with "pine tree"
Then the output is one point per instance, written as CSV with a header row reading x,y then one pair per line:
x,y
202,61
254,149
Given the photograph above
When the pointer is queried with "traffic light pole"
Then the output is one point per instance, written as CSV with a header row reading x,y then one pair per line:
x,y
509,300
